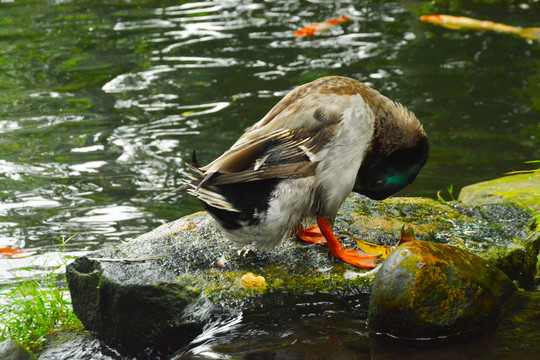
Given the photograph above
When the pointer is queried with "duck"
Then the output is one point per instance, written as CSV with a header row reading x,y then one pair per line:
x,y
320,142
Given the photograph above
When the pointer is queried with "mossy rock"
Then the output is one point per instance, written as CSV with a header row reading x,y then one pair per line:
x,y
426,290
162,288
522,189
501,233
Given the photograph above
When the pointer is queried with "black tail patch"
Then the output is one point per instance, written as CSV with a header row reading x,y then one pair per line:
x,y
251,198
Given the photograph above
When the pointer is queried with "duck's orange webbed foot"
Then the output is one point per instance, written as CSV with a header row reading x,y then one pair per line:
x,y
311,235
351,256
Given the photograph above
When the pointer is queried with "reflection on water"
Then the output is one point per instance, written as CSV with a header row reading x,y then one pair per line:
x,y
337,330
102,102
308,330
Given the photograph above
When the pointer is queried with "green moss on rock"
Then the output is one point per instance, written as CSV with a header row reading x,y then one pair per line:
x,y
522,189
501,233
427,290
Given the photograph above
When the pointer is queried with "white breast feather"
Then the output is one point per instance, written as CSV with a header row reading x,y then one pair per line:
x,y
337,172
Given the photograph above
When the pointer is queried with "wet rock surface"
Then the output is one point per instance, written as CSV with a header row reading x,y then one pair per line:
x,y
160,289
80,345
12,350
426,290
171,282
522,189
502,233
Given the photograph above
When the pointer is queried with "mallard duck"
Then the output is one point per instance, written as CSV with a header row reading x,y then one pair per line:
x,y
320,142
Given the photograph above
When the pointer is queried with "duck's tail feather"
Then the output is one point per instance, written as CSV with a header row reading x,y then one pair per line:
x,y
194,161
212,198
189,179
206,195
192,184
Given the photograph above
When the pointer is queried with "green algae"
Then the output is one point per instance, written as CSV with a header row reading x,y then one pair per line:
x,y
224,286
410,264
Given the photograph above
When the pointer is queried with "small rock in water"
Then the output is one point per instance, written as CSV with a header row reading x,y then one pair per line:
x,y
426,290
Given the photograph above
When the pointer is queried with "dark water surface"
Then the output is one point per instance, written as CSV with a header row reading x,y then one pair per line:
x,y
101,102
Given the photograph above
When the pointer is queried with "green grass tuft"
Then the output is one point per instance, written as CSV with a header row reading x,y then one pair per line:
x,y
35,308
450,192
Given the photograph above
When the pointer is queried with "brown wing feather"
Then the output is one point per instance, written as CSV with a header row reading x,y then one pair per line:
x,y
302,123
286,154
294,170
241,155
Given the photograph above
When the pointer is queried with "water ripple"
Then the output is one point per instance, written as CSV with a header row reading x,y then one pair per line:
x,y
110,215
27,201
196,61
191,8
145,24
203,36
135,81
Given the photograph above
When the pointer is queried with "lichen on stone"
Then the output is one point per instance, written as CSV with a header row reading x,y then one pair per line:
x,y
252,281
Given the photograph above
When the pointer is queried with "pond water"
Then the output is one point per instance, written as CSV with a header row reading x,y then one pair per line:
x,y
101,103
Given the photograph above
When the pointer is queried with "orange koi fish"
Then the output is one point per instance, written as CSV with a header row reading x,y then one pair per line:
x,y
9,252
322,27
460,22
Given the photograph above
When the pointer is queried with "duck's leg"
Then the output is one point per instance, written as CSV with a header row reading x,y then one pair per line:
x,y
311,235
314,235
351,256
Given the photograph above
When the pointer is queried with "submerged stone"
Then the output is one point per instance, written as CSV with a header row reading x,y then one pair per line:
x,y
161,289
427,291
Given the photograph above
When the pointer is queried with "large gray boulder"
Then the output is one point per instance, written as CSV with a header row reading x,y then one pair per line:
x,y
163,287
160,289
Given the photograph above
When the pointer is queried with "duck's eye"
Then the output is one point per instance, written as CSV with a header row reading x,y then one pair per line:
x,y
379,183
